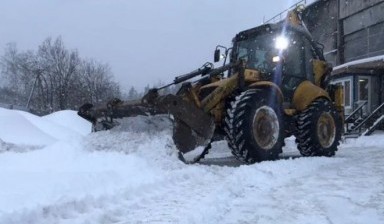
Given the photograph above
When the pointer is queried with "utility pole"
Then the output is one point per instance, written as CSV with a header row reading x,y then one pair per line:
x,y
38,72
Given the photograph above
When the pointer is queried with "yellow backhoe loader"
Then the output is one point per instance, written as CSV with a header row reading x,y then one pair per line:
x,y
274,85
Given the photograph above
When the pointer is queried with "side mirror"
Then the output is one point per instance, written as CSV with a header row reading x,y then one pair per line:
x,y
217,55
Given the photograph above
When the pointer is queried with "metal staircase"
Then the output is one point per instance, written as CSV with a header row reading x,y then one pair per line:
x,y
374,126
357,124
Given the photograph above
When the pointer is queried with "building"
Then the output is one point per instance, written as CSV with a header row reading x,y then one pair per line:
x,y
352,32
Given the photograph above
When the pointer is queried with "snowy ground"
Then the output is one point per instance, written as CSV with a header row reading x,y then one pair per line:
x,y
52,170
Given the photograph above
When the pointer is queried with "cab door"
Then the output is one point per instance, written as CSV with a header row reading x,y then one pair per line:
x,y
297,65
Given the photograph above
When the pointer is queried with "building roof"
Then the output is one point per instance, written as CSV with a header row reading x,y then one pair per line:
x,y
371,64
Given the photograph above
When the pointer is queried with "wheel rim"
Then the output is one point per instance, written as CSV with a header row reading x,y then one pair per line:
x,y
326,130
265,127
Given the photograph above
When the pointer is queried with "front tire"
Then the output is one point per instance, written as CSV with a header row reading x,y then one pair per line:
x,y
319,129
257,128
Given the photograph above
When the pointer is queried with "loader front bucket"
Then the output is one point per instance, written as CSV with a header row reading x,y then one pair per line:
x,y
192,127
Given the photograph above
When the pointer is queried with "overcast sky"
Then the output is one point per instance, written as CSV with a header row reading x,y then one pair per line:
x,y
144,41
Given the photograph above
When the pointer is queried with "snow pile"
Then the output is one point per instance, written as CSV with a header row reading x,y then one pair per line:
x,y
69,119
73,166
19,129
149,138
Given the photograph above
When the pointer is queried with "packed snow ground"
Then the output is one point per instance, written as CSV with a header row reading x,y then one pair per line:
x,y
52,170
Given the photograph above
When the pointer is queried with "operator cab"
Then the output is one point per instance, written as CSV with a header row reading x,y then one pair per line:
x,y
281,54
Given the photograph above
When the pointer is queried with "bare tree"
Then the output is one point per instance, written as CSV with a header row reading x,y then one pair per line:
x,y
59,77
17,69
97,84
60,70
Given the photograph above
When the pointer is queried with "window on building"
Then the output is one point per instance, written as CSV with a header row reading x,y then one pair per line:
x,y
347,93
364,91
363,88
346,83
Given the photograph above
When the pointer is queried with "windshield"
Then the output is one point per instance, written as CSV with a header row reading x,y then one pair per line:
x,y
258,52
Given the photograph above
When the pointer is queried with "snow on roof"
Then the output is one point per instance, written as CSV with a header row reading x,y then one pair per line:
x,y
372,63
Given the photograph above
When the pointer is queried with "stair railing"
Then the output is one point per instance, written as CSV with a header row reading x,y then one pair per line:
x,y
373,127
377,110
358,109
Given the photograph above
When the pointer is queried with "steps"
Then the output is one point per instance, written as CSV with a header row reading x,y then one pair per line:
x,y
357,124
372,128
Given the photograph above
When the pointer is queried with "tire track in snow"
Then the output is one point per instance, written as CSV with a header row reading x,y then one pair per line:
x,y
203,194
165,201
302,190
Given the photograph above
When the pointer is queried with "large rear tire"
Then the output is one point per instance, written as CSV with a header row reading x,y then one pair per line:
x,y
256,128
228,127
319,129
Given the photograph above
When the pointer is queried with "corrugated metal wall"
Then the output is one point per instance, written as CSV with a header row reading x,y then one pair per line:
x,y
363,28
321,20
349,29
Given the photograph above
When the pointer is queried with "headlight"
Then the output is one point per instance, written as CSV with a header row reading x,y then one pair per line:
x,y
276,59
281,43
